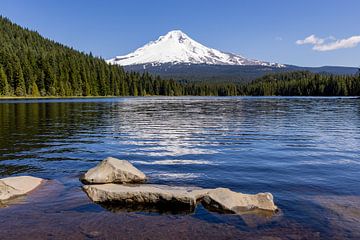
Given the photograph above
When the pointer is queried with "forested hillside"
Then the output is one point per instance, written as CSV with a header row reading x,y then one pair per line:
x,y
31,65
303,83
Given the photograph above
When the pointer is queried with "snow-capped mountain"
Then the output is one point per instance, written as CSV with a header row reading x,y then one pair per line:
x,y
178,48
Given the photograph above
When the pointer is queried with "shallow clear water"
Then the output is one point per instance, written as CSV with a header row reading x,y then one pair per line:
x,y
303,150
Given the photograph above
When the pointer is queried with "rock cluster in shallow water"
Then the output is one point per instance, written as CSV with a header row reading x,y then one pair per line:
x,y
110,183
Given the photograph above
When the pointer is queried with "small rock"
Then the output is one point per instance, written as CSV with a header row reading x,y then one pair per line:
x,y
223,199
15,186
112,170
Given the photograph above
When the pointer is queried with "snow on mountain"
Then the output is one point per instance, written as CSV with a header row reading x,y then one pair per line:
x,y
177,47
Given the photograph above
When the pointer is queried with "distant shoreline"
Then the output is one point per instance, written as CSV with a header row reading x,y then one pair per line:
x,y
57,97
149,96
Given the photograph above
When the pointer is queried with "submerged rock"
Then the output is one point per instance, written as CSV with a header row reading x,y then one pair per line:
x,y
342,212
16,186
112,170
146,194
225,200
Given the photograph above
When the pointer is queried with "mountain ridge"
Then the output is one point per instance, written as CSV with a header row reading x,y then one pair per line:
x,y
229,73
177,47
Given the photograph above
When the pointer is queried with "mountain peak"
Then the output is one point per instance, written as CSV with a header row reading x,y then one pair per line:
x,y
175,34
177,47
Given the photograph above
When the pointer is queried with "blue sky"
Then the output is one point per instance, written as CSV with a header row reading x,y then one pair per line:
x,y
258,29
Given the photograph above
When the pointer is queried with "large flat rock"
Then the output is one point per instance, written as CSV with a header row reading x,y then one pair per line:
x,y
112,170
223,199
146,194
141,196
16,186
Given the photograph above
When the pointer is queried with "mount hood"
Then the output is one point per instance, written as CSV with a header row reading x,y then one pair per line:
x,y
178,48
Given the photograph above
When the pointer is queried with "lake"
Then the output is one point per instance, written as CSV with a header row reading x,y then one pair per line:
x,y
305,151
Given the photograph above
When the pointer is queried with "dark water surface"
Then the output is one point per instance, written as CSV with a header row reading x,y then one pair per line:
x,y
306,151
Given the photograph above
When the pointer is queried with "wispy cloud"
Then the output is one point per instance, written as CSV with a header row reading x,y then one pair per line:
x,y
329,43
312,39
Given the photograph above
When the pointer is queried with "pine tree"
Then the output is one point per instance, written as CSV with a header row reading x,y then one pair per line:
x,y
4,85
19,81
34,90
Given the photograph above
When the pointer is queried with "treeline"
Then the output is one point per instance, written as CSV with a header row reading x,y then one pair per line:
x,y
31,65
299,83
303,83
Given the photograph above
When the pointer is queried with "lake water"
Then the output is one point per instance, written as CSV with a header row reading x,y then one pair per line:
x,y
305,151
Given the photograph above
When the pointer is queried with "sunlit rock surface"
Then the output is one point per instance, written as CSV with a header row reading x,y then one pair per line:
x,y
146,194
16,186
112,170
223,199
